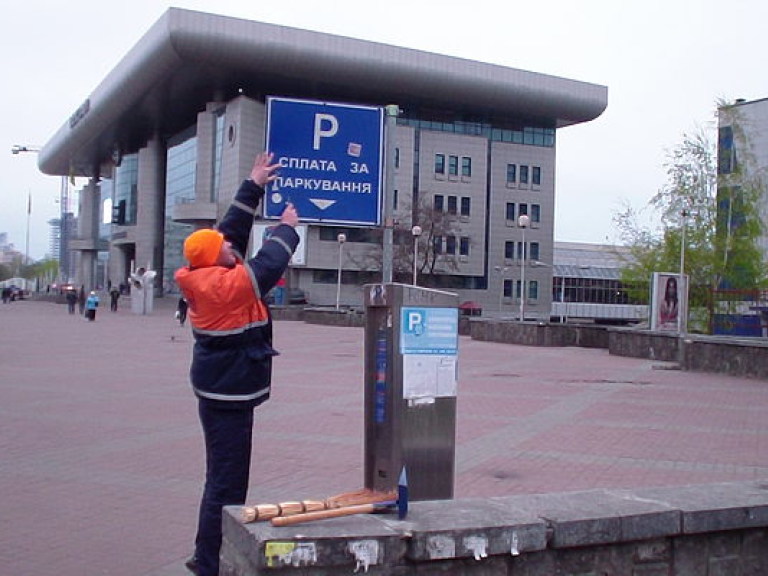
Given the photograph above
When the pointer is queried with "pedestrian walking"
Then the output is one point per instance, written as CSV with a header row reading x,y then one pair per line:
x,y
114,296
181,311
232,356
71,297
81,300
91,304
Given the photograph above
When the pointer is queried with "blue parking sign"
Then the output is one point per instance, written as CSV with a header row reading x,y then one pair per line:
x,y
331,161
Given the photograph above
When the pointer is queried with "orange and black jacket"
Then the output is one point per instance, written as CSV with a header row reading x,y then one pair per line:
x,y
232,356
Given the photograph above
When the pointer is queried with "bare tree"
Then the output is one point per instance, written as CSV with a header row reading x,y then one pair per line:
x,y
430,261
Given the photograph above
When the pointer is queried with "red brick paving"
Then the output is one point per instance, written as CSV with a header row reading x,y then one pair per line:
x,y
102,460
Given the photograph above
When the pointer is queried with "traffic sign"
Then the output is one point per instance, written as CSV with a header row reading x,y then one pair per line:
x,y
331,160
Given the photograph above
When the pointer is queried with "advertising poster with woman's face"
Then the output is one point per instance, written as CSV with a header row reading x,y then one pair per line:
x,y
666,301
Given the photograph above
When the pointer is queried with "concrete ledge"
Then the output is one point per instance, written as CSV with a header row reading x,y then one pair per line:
x,y
537,333
649,531
635,343
746,357
292,313
333,317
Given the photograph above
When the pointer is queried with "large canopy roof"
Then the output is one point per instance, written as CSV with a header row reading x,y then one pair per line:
x,y
190,58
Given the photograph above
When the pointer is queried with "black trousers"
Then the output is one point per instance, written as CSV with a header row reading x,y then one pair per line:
x,y
228,440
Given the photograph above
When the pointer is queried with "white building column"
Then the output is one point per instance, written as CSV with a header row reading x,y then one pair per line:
x,y
150,206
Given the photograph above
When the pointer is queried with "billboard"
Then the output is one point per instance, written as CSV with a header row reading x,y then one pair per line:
x,y
668,301
261,231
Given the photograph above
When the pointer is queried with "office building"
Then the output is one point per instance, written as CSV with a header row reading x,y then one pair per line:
x,y
173,128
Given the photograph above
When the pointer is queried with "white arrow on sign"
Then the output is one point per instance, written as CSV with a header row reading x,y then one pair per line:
x,y
321,203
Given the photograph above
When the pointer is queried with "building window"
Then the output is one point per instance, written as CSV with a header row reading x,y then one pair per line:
x,y
466,205
437,244
523,174
533,290
453,165
464,246
218,148
450,244
535,213
439,163
452,205
466,166
397,157
536,175
508,288
726,153
126,187
509,250
523,209
510,211
439,202
394,199
511,173
533,248
520,250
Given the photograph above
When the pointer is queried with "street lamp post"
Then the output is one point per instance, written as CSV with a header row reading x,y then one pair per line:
x,y
64,211
416,231
29,216
523,221
341,238
682,306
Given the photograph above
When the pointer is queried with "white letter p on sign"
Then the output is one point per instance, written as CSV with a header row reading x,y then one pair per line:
x,y
325,127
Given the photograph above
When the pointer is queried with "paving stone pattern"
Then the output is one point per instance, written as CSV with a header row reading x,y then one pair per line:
x,y
101,452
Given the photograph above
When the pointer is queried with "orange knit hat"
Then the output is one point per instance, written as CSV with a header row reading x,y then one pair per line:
x,y
202,247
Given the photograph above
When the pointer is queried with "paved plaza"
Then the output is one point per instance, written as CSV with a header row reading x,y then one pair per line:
x,y
101,457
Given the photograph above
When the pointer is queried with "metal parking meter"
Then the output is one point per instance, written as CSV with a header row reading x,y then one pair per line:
x,y
411,367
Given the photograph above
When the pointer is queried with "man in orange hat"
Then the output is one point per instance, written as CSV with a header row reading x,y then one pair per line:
x,y
232,356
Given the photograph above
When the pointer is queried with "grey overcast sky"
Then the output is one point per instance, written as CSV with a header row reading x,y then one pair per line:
x,y
665,64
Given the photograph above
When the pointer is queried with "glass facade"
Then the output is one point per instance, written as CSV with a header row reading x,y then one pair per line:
x,y
179,189
218,148
590,290
528,135
127,187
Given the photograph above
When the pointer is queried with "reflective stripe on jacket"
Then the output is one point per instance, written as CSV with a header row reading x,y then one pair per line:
x,y
233,334
232,356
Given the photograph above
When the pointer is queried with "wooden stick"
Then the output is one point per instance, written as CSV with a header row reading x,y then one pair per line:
x,y
268,511
333,513
345,499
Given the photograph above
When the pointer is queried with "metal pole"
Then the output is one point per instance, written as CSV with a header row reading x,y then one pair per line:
x,y
391,113
341,238
29,215
416,231
64,271
681,288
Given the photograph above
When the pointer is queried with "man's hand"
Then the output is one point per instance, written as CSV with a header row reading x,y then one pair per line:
x,y
263,171
290,216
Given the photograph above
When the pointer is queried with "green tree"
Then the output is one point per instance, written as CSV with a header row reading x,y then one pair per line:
x,y
720,229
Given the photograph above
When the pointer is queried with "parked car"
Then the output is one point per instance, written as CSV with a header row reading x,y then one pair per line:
x,y
18,294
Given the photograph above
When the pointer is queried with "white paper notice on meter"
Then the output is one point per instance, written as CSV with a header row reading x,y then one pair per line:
x,y
427,376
